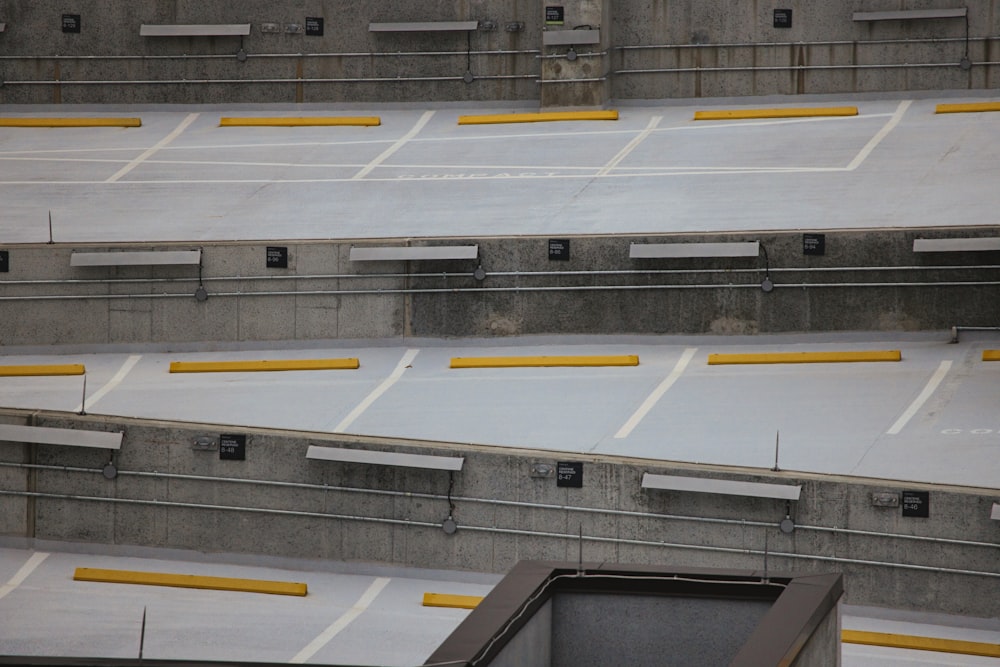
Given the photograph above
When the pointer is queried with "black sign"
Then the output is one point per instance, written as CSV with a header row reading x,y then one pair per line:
x,y
71,23
314,26
554,15
4,261
814,244
917,503
569,473
782,18
559,249
232,447
277,257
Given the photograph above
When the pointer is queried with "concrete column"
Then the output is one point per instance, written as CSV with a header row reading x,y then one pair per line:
x,y
575,45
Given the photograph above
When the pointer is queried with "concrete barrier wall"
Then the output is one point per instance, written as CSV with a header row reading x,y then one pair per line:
x,y
600,290
276,502
667,48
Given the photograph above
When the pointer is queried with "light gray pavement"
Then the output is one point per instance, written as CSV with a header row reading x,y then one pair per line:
x,y
181,177
931,417
367,616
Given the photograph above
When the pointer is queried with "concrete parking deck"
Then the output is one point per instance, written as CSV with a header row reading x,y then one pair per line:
x,y
420,174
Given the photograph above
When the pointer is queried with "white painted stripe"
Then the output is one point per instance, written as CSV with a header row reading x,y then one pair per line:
x,y
631,146
657,394
112,383
327,635
880,135
387,153
921,399
379,390
152,151
22,574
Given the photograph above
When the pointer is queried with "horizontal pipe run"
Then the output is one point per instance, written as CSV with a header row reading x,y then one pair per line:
x,y
914,643
263,365
826,43
545,361
480,290
504,531
516,274
792,68
189,581
186,82
505,503
252,56
37,370
805,357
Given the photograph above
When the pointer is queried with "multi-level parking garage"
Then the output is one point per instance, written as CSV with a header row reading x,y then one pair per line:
x,y
873,186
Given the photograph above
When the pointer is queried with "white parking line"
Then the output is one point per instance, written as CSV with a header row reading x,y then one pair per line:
x,y
631,146
657,394
112,383
387,153
401,367
335,628
932,384
22,574
880,135
152,151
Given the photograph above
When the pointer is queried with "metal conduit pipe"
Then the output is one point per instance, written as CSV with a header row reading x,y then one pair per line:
x,y
507,531
229,56
785,68
271,81
508,503
460,290
516,274
842,42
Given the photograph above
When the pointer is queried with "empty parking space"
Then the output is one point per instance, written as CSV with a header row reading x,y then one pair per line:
x,y
186,178
924,418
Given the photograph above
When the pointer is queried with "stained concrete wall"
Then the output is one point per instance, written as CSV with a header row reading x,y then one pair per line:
x,y
592,630
687,48
323,295
168,494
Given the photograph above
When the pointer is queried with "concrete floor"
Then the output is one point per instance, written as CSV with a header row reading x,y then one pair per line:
x,y
181,177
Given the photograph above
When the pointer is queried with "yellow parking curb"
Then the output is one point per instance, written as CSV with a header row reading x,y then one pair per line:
x,y
920,643
263,365
495,119
189,581
973,107
70,122
51,369
804,357
453,601
991,355
805,112
317,121
533,362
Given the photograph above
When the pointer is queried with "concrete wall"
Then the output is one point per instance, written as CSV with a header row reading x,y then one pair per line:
x,y
592,630
323,295
824,643
690,49
168,494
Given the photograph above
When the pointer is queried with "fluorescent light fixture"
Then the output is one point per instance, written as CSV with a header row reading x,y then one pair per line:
x,y
385,458
721,486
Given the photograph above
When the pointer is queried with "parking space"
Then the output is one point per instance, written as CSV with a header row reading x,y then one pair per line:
x,y
182,177
902,420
